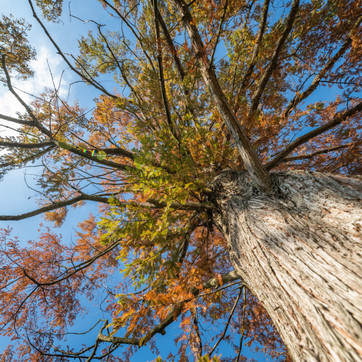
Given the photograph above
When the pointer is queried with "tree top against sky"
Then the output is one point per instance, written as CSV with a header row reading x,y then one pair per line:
x,y
185,93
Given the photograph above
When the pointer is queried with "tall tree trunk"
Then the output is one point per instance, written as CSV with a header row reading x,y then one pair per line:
x,y
300,254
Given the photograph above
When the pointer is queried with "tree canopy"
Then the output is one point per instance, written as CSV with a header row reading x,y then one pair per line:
x,y
201,87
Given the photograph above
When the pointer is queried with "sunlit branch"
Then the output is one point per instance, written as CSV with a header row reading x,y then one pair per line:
x,y
274,59
197,330
338,119
93,352
318,78
88,80
109,151
246,151
254,55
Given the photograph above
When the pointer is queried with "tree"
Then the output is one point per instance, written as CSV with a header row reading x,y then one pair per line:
x,y
211,171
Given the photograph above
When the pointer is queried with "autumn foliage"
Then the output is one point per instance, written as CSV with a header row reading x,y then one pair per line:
x,y
148,153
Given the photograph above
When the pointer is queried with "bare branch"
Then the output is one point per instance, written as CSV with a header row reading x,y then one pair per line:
x,y
227,323
318,78
338,119
242,326
53,206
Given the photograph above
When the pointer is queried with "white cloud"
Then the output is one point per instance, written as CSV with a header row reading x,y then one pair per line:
x,y
46,65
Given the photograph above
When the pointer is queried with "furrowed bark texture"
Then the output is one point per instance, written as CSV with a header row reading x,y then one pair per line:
x,y
300,253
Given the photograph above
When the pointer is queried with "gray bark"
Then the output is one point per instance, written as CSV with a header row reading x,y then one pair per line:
x,y
300,253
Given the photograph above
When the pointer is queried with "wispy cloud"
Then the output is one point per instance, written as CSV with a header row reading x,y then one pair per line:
x,y
48,69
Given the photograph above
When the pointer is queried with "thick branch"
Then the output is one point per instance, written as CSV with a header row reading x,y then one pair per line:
x,y
53,206
90,157
25,145
177,61
118,151
274,60
16,120
248,154
338,119
151,204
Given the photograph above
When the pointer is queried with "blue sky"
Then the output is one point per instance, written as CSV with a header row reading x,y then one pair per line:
x,y
14,195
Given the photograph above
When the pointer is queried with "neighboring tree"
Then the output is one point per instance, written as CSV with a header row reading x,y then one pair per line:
x,y
220,179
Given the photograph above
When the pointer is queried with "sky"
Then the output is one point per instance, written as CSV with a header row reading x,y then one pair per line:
x,y
15,196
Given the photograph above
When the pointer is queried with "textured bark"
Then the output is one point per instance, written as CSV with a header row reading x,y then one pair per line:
x,y
300,254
